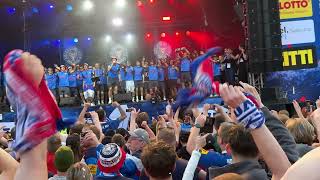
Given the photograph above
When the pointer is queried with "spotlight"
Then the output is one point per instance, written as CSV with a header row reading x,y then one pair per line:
x,y
89,38
166,18
177,33
151,1
69,7
139,3
120,3
188,33
163,34
76,40
51,6
35,10
11,10
129,37
148,35
87,5
117,22
107,38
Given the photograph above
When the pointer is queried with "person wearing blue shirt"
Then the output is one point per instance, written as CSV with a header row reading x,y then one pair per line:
x,y
138,80
153,75
173,72
98,76
80,82
217,69
104,83
162,84
51,80
87,75
122,74
185,63
113,78
130,80
63,82
73,81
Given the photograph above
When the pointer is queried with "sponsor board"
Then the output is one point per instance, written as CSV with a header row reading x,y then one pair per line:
x,y
299,58
295,8
297,32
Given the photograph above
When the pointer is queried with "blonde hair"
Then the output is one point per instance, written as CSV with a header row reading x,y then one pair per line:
x,y
302,131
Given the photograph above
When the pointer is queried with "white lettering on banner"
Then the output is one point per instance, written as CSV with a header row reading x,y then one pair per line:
x,y
297,32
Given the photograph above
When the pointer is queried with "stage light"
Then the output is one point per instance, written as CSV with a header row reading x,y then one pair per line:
x,y
148,35
58,41
177,33
166,18
69,7
151,1
76,40
121,3
163,34
87,5
89,38
139,3
129,37
107,38
117,22
51,6
11,10
188,33
35,10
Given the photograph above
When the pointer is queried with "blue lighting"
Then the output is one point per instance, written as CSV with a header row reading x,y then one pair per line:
x,y
35,10
89,38
51,6
11,10
69,7
75,40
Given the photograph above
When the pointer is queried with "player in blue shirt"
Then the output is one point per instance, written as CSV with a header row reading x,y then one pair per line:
x,y
73,81
80,82
88,85
162,83
217,69
98,74
185,63
138,80
153,75
51,80
113,78
122,79
173,73
63,82
104,83
130,80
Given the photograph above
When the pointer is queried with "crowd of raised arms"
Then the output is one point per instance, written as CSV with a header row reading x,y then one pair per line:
x,y
161,78
245,141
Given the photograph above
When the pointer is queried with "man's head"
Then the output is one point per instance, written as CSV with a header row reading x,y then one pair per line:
x,y
302,131
63,68
159,160
223,136
54,142
101,114
114,60
167,135
85,66
138,63
219,119
97,66
188,116
64,158
241,143
143,116
151,63
137,140
111,158
50,70
119,140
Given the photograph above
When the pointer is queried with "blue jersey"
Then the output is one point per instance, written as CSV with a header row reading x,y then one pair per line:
x,y
211,158
63,79
216,68
172,73
113,73
103,78
138,71
87,77
161,73
51,81
185,65
110,125
79,79
73,79
153,73
98,73
122,74
129,73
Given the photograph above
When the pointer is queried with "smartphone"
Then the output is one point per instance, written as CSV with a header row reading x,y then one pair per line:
x,y
129,109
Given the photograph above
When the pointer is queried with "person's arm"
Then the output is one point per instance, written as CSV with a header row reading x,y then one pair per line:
x,y
205,109
305,168
123,114
81,119
133,124
315,118
96,122
194,159
152,136
8,166
194,133
252,118
297,108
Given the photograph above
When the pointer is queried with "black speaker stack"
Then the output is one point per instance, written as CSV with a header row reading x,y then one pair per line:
x,y
263,35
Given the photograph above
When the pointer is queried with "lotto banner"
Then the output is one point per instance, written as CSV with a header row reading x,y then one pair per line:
x,y
295,9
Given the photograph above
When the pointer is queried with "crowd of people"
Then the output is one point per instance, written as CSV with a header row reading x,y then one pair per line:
x,y
247,142
162,79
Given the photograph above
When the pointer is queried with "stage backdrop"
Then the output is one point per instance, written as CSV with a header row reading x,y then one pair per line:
x,y
300,26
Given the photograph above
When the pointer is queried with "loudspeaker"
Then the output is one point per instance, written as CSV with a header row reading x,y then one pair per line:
x,y
273,95
263,35
69,101
123,98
